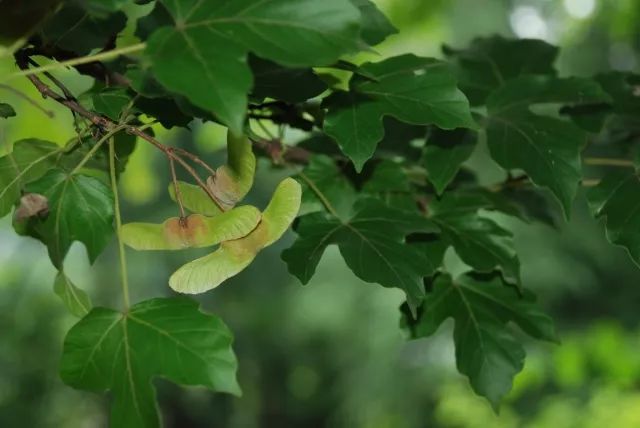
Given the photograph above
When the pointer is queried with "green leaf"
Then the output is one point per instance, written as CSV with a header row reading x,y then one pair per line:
x,y
323,174
29,160
194,231
80,209
620,115
444,153
372,243
110,102
419,91
388,176
6,111
546,148
123,352
204,56
490,62
102,7
617,200
74,29
293,85
375,25
233,256
389,182
486,351
479,241
75,299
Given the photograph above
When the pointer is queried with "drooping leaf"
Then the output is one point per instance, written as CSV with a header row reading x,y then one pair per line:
x,y
203,56
486,351
75,299
444,153
479,241
123,352
491,61
372,243
232,181
546,148
80,209
193,231
292,85
74,29
375,25
6,111
617,200
29,160
233,256
419,91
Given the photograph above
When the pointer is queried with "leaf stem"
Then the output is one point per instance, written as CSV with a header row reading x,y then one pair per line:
x,y
319,194
624,163
97,146
124,278
114,53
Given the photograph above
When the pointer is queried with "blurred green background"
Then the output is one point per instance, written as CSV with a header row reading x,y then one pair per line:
x,y
330,354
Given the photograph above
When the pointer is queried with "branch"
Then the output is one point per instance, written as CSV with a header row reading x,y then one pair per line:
x,y
108,125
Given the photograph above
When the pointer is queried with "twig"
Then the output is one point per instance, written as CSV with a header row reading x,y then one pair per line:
x,y
28,99
319,194
108,125
196,159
